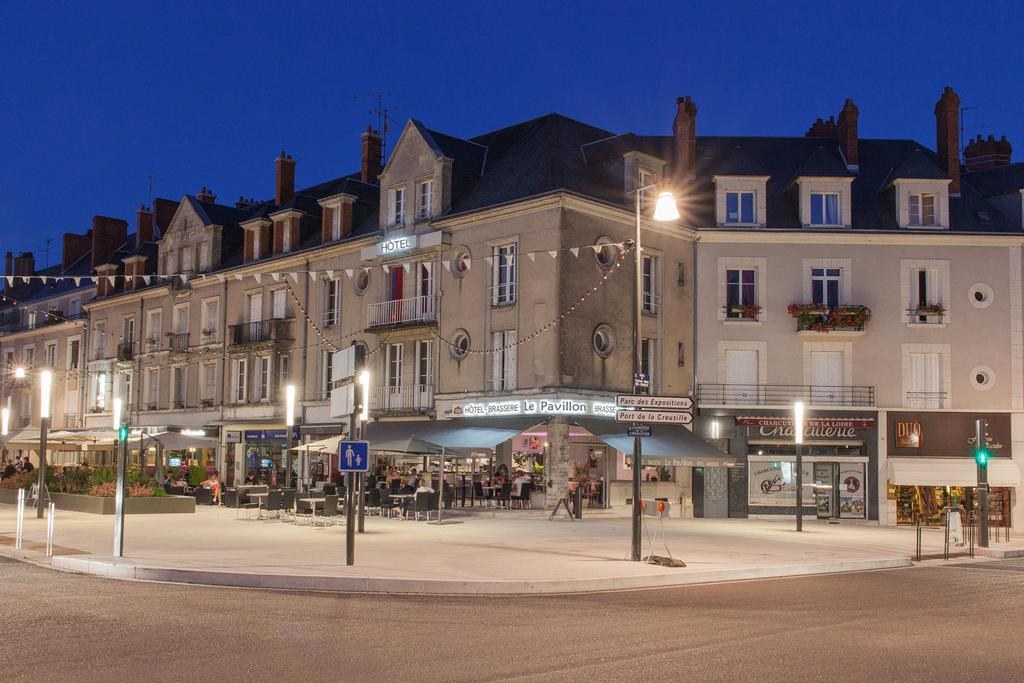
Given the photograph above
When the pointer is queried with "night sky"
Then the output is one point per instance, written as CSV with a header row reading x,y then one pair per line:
x,y
97,96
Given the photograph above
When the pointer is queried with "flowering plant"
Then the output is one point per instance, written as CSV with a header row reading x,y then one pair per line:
x,y
746,311
931,309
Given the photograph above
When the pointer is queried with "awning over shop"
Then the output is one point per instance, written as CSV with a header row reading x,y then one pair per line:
x,y
27,437
401,437
458,435
666,441
951,472
172,441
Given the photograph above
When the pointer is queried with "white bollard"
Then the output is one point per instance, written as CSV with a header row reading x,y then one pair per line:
x,y
20,525
49,531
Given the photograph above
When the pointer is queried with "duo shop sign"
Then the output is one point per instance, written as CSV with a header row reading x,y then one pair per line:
x,y
814,428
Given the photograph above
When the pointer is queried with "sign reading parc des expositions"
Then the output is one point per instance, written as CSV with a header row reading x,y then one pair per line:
x,y
533,406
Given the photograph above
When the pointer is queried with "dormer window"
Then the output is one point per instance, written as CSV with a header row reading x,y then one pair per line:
x,y
647,177
286,238
921,208
256,245
336,224
424,199
396,206
825,208
739,208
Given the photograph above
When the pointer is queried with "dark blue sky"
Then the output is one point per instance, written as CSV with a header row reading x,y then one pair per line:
x,y
98,96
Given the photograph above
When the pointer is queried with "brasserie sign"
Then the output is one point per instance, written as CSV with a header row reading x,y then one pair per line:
x,y
814,428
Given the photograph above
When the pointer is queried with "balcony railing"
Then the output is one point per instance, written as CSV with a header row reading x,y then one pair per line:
x,y
126,350
918,316
43,319
785,394
926,399
178,342
414,310
264,331
404,398
70,420
824,319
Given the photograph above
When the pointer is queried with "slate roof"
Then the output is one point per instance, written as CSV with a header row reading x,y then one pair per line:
x,y
996,181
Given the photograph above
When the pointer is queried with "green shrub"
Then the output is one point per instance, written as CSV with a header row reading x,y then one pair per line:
x,y
196,475
102,475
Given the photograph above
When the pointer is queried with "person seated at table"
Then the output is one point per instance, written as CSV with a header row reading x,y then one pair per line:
x,y
8,470
213,483
517,483
403,508
394,479
413,479
179,482
250,478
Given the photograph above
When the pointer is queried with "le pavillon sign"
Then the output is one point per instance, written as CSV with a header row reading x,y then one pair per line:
x,y
814,428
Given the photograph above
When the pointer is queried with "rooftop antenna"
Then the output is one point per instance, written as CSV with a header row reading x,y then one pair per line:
x,y
48,251
962,128
382,112
149,181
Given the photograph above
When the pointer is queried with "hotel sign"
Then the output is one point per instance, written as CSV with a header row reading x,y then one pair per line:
x,y
395,245
534,406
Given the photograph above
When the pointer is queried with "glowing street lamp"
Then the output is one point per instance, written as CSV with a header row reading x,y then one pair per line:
x,y
289,419
364,382
798,440
121,430
45,386
19,372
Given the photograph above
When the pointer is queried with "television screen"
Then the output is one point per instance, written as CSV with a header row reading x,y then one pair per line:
x,y
265,462
174,462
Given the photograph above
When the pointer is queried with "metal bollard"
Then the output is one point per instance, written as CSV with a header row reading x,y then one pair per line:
x,y
19,527
970,531
918,538
945,547
49,531
577,502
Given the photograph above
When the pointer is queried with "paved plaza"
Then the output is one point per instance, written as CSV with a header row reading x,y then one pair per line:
x,y
487,552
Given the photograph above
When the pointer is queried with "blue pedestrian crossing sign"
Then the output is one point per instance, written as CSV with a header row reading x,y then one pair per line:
x,y
353,456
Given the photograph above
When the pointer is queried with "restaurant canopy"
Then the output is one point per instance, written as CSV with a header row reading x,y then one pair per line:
x,y
459,436
172,441
666,441
328,445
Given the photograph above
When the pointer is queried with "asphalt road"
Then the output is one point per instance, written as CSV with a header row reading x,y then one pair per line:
x,y
926,623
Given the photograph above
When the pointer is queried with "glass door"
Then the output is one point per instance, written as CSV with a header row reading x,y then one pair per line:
x,y
824,489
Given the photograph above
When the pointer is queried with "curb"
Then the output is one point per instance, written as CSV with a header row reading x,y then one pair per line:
x,y
356,584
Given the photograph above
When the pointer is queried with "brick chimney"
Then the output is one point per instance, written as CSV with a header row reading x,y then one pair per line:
x,y
847,131
980,154
143,225
163,213
107,235
684,130
947,134
25,264
74,247
373,155
284,179
206,195
823,129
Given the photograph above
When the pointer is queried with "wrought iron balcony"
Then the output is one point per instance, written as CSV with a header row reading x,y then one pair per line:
x,y
416,310
785,394
177,342
126,350
406,398
927,399
824,319
261,332
933,315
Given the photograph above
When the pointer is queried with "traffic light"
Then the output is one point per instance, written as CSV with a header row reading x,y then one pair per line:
x,y
122,433
981,457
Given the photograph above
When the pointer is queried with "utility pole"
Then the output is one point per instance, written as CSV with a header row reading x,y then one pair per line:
x,y
981,459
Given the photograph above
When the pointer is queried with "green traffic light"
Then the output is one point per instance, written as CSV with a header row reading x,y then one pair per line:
x,y
981,457
122,433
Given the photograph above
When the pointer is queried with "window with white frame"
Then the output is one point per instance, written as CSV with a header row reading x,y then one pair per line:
x,y
31,319
180,319
825,209
263,377
101,391
74,353
74,307
393,371
28,355
826,286
740,293
152,389
424,199
50,355
278,301
327,362
926,389
283,369
240,380
255,306
208,384
396,206
154,323
651,295
332,302
336,223
256,243
926,295
503,274
921,209
209,316
286,236
179,385
424,356
503,360
740,208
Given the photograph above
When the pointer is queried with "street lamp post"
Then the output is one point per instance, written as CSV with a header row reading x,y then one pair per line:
x,y
289,419
798,440
5,428
364,415
121,442
664,210
45,386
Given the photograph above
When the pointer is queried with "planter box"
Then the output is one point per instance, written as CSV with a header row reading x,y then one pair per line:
x,y
105,506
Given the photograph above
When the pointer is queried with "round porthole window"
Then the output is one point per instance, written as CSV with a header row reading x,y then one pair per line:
x,y
982,378
604,341
460,261
606,252
361,280
980,295
460,344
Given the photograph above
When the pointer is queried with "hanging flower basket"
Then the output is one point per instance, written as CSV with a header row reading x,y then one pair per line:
x,y
746,312
931,309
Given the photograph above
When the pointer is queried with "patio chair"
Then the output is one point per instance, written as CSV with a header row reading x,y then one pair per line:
x,y
330,489
373,500
449,497
478,492
204,496
330,512
525,490
275,499
423,504
387,504
302,509
288,501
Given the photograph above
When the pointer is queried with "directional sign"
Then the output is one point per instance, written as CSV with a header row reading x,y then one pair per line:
x,y
654,402
655,416
639,430
354,456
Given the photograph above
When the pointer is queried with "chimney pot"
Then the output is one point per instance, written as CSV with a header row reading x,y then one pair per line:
x,y
947,135
284,179
846,128
372,156
982,153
